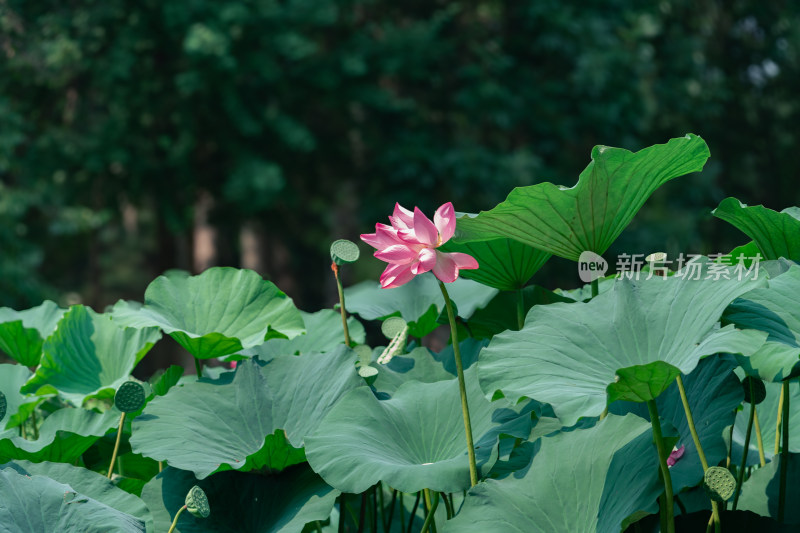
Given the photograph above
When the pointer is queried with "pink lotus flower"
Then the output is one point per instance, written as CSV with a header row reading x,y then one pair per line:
x,y
409,246
675,455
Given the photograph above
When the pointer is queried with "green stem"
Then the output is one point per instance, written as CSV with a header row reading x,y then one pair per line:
x,y
667,510
448,506
339,287
35,426
362,512
784,452
778,425
175,522
761,457
116,446
388,522
413,512
198,367
740,476
342,512
730,442
473,468
318,526
520,309
433,503
595,287
696,438
382,509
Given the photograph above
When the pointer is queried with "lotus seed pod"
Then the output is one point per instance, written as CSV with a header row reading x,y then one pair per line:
x,y
759,389
344,251
3,406
719,483
392,326
130,397
197,503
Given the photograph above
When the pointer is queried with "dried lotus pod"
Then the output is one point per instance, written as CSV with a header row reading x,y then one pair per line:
x,y
130,397
759,390
344,251
719,483
197,502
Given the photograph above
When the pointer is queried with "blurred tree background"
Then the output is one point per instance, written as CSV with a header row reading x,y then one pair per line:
x,y
138,136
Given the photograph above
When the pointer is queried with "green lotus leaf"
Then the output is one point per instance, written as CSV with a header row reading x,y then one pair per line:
x,y
504,264
63,436
714,392
772,309
573,356
88,354
592,214
760,491
38,503
281,503
582,481
412,441
777,234
217,313
418,302
323,334
501,313
767,416
23,332
208,426
87,483
18,406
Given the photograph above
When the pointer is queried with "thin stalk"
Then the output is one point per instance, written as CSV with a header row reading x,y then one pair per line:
x,y
198,367
448,506
696,438
318,526
342,512
520,308
383,511
175,522
595,287
473,468
761,457
388,523
22,432
35,426
667,510
116,446
413,512
402,515
374,514
740,476
730,443
433,504
784,452
362,513
339,288
778,425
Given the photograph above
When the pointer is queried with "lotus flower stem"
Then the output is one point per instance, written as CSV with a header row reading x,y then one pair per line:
x,y
784,452
473,468
339,288
778,425
740,475
116,446
696,438
520,308
761,458
667,510
433,503
175,522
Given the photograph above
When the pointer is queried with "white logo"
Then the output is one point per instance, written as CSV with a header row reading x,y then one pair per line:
x,y
591,267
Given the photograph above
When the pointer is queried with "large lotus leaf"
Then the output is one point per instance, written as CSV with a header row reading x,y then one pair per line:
x,y
504,264
23,332
419,301
767,417
628,343
207,426
414,440
760,491
777,234
242,503
592,214
63,436
714,392
87,483
38,503
323,334
417,365
501,313
583,481
88,354
217,313
772,309
19,406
